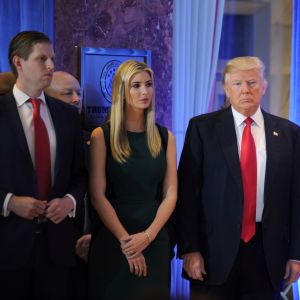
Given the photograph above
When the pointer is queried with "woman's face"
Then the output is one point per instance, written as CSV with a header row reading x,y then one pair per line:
x,y
140,91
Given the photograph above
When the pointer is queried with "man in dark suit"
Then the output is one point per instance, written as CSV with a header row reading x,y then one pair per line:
x,y
42,178
239,195
65,87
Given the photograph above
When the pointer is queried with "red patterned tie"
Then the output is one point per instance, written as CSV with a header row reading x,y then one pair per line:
x,y
42,151
249,177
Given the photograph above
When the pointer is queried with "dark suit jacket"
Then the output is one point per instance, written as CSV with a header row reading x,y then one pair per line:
x,y
91,217
210,199
18,176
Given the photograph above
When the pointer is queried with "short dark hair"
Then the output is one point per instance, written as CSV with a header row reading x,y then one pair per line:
x,y
21,45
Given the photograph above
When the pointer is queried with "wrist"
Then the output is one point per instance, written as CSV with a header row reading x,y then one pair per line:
x,y
68,201
149,235
11,202
122,237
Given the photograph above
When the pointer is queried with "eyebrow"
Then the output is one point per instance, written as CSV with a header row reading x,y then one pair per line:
x,y
141,81
234,80
67,90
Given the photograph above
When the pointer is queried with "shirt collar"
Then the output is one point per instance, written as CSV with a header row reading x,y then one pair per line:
x,y
21,97
240,118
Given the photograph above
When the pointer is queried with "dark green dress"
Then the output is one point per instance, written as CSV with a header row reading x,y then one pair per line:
x,y
134,192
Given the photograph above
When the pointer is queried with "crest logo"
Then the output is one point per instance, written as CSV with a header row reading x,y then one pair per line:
x,y
106,78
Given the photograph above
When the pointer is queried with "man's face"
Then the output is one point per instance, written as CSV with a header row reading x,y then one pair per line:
x,y
245,88
35,73
66,88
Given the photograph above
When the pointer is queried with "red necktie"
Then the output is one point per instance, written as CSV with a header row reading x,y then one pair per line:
x,y
249,177
42,152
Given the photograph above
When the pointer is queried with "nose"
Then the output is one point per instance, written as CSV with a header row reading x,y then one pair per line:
x,y
245,87
50,65
75,98
144,90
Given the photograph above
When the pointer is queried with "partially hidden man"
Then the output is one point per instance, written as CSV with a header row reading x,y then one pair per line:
x,y
239,195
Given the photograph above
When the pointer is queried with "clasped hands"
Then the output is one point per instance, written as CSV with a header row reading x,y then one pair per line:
x,y
29,208
132,247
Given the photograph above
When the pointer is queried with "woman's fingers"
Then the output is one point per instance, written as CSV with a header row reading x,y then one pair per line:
x,y
138,265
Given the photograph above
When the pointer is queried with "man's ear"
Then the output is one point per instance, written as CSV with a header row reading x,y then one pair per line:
x,y
16,60
265,85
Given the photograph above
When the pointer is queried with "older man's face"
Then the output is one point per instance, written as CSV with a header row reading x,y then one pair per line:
x,y
245,90
66,88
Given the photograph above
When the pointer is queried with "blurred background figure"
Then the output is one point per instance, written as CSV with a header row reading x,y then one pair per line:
x,y
65,87
7,81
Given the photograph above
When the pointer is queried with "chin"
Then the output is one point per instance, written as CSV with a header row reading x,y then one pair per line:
x,y
46,82
250,109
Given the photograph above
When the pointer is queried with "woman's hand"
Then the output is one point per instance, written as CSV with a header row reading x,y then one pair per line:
x,y
134,244
138,265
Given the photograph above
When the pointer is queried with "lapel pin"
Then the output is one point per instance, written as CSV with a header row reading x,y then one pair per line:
x,y
275,133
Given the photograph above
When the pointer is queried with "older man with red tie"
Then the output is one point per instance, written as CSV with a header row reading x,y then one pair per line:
x,y
239,195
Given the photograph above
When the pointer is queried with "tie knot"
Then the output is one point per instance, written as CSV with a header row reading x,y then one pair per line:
x,y
35,103
248,121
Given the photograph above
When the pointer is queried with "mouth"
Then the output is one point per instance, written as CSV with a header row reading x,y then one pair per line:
x,y
48,77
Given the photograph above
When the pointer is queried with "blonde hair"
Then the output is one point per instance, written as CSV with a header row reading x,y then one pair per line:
x,y
119,143
243,63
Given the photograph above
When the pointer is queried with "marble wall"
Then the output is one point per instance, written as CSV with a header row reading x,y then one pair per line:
x,y
138,24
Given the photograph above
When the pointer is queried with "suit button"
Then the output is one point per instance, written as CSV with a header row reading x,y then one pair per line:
x,y
238,226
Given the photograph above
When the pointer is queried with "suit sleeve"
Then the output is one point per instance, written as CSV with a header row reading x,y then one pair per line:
x,y
188,212
294,250
78,182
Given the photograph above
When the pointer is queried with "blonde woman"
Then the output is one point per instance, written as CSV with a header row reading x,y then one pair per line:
x,y
133,185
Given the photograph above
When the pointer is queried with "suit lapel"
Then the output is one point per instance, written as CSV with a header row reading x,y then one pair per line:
x,y
53,108
228,141
14,122
272,133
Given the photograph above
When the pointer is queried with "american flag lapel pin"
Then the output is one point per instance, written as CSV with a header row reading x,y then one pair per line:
x,y
275,133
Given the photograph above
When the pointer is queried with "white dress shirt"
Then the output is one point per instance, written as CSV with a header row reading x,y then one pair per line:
x,y
258,133
25,111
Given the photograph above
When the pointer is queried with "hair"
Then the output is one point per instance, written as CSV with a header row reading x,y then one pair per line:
x,y
243,63
119,143
22,45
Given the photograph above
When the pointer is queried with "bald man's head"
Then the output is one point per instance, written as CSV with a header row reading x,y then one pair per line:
x,y
7,81
65,87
